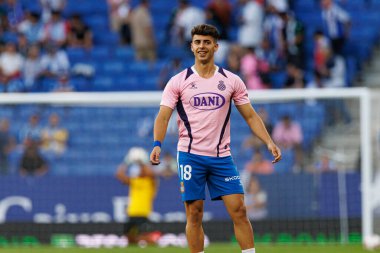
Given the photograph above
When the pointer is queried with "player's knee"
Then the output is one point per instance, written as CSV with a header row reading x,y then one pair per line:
x,y
195,215
239,213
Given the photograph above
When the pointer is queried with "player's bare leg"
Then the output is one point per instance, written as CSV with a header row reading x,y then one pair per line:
x,y
242,226
194,229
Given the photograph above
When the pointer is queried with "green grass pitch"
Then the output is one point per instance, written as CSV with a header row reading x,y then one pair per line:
x,y
213,248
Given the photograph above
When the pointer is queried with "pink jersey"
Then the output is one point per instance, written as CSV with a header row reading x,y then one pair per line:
x,y
204,109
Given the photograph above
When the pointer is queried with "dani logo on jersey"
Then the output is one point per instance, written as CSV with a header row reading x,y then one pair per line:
x,y
207,101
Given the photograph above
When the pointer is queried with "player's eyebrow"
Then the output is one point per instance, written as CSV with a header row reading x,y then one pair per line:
x,y
199,40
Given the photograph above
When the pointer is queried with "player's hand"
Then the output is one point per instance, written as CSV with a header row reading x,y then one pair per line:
x,y
155,155
276,152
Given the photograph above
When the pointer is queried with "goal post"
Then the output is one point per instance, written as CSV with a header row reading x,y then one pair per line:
x,y
364,101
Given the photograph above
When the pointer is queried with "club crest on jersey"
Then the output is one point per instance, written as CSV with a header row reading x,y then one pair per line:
x,y
207,101
193,85
221,85
182,188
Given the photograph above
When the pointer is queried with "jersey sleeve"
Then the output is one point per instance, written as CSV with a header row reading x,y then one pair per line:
x,y
240,95
170,94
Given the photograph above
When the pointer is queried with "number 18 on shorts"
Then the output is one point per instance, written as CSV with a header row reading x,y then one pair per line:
x,y
219,173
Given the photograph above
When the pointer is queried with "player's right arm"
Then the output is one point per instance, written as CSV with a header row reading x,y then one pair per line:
x,y
159,131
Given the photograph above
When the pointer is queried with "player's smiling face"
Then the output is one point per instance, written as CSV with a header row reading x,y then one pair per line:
x,y
203,47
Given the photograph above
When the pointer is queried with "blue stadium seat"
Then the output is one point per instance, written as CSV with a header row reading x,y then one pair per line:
x,y
80,83
100,53
278,79
113,66
149,82
305,6
139,66
76,54
97,23
287,162
103,83
126,53
106,38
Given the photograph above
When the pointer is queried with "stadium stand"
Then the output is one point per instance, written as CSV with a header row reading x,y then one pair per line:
x,y
118,60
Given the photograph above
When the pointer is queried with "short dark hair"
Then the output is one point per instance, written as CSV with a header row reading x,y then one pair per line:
x,y
206,30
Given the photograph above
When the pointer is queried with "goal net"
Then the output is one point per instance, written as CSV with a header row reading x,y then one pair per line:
x,y
325,189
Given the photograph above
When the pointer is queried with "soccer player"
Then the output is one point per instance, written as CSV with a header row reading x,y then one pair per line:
x,y
135,172
203,96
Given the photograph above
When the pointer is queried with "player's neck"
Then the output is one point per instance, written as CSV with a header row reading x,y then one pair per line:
x,y
206,70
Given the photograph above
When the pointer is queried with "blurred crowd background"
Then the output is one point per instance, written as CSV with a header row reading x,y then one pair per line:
x,y
125,45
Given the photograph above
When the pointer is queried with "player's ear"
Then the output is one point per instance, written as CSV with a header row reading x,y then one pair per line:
x,y
216,47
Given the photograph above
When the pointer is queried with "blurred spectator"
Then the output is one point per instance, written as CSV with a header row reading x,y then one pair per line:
x,y
119,13
221,11
324,164
185,19
15,14
50,6
143,39
31,131
330,71
22,44
31,27
277,5
252,69
336,24
212,19
7,145
54,62
336,72
79,34
322,52
295,78
32,68
256,200
266,54
287,133
235,53
54,137
11,63
32,163
273,26
3,18
135,171
168,166
62,84
258,165
316,82
293,34
55,30
288,136
170,69
250,23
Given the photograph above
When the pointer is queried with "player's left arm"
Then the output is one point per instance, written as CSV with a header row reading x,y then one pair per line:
x,y
258,128
121,174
